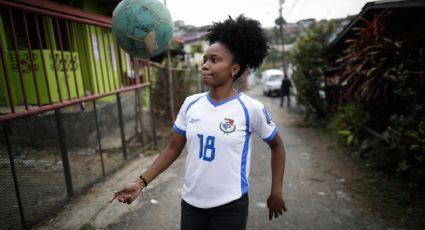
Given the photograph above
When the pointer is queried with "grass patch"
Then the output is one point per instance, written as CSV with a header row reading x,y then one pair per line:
x,y
87,226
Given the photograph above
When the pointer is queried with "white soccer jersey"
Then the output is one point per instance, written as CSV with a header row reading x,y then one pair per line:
x,y
219,145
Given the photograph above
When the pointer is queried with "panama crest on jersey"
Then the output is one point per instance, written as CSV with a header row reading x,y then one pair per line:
x,y
227,126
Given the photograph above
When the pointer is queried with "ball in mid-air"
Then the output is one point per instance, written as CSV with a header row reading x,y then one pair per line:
x,y
143,28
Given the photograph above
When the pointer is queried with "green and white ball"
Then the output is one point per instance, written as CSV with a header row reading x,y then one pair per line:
x,y
143,28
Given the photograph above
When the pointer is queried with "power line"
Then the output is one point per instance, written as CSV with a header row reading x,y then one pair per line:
x,y
292,7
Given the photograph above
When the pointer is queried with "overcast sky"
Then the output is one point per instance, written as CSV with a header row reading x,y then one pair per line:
x,y
203,12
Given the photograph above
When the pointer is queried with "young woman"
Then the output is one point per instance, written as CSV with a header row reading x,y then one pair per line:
x,y
217,127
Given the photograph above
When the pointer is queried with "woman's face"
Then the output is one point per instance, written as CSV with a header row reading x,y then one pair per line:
x,y
218,68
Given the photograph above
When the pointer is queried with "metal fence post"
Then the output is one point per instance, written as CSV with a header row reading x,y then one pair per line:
x,y
151,101
64,153
12,167
139,116
121,122
99,138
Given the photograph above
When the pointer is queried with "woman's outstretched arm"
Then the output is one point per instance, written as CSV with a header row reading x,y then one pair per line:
x,y
129,192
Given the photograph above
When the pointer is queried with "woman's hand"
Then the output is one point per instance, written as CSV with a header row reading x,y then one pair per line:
x,y
276,205
275,202
131,191
128,193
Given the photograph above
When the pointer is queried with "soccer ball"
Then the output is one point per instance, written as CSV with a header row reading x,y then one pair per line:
x,y
143,28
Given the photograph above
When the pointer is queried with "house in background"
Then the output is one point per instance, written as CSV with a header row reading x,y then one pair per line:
x,y
406,23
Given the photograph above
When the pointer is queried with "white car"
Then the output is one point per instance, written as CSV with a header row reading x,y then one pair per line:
x,y
271,81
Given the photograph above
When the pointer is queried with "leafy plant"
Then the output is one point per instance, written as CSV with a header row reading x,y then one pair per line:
x,y
368,60
404,152
348,134
348,122
309,57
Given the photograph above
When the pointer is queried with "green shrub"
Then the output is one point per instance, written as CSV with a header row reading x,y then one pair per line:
x,y
348,122
404,152
309,56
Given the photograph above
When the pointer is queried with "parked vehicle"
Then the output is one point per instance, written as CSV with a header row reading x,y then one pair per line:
x,y
271,81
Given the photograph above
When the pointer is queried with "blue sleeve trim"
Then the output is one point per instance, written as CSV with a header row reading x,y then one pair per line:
x,y
182,132
271,135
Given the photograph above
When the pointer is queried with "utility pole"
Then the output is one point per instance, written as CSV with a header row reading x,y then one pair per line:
x,y
280,22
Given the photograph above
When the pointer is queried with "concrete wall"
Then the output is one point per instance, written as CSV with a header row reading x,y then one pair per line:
x,y
79,126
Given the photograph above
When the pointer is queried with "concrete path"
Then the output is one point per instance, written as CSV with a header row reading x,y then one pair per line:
x,y
315,188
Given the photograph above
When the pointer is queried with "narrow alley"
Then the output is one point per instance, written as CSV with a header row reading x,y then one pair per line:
x,y
315,188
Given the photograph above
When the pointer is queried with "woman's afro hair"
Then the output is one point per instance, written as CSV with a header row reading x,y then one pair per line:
x,y
244,37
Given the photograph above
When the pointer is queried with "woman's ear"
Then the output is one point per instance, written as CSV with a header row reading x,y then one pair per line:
x,y
235,69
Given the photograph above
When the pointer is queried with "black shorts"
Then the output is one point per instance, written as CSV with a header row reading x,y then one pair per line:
x,y
232,216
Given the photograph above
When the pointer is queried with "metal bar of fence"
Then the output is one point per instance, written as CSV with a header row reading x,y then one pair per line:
x,y
94,58
143,74
15,178
51,13
49,35
64,153
99,138
129,74
142,64
71,50
151,106
106,60
40,44
59,8
68,92
8,86
136,68
7,117
126,79
34,75
18,59
129,78
83,29
100,59
133,71
142,139
147,66
152,116
136,112
121,123
119,64
140,116
111,56
73,25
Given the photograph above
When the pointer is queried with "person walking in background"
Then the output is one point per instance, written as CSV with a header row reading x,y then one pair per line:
x,y
217,128
285,91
